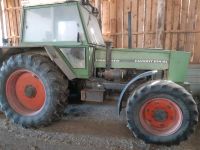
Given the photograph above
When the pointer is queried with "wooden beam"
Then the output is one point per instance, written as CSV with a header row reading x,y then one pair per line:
x,y
154,33
196,58
122,13
1,20
98,6
190,38
160,26
7,20
183,23
113,20
126,9
169,23
119,12
141,22
148,23
106,17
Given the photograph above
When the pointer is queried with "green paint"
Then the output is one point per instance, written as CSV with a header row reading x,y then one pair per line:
x,y
133,58
175,62
178,66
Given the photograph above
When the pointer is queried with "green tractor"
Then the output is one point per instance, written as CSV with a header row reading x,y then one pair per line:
x,y
62,51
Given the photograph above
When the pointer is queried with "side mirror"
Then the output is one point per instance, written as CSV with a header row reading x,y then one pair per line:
x,y
85,2
95,11
5,41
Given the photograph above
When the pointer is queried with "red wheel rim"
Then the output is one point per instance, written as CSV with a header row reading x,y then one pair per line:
x,y
161,116
25,92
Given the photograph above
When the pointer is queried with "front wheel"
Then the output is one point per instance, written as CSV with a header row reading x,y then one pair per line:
x,y
162,112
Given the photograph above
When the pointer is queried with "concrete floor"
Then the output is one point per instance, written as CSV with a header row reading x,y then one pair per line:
x,y
84,127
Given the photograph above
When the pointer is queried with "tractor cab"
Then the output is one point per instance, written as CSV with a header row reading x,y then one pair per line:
x,y
66,24
70,28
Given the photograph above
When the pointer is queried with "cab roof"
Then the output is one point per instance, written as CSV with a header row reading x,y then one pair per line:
x,y
44,2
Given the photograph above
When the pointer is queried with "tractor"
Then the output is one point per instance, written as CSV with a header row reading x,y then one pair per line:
x,y
62,51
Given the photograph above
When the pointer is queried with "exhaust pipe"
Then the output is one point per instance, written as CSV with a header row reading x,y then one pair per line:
x,y
129,29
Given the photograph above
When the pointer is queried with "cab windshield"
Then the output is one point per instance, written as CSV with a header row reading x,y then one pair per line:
x,y
56,23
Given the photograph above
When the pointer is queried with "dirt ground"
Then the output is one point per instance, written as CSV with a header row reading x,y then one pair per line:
x,y
84,127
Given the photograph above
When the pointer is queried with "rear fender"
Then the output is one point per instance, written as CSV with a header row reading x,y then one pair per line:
x,y
6,52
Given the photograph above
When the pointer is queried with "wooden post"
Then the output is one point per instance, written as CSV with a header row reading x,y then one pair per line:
x,y
160,25
119,11
196,58
106,18
135,11
122,24
98,6
1,20
113,21
141,22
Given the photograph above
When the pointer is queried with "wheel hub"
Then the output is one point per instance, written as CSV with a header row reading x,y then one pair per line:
x,y
25,92
30,91
161,116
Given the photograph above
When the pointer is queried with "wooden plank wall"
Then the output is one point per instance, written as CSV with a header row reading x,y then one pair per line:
x,y
175,26
12,10
181,24
144,14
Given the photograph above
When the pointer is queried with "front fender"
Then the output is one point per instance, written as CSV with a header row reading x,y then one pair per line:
x,y
143,75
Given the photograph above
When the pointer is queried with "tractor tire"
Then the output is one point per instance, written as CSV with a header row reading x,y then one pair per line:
x,y
162,113
33,91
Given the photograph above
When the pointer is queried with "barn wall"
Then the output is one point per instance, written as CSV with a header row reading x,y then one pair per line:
x,y
12,11
170,24
175,26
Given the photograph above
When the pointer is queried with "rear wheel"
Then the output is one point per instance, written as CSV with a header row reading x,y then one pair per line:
x,y
161,112
33,90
